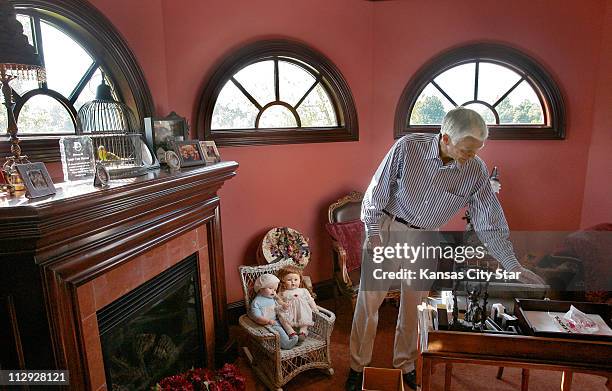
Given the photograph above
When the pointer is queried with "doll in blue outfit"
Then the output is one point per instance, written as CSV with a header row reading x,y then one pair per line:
x,y
264,310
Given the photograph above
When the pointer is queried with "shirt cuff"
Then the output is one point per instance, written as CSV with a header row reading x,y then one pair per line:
x,y
511,264
372,230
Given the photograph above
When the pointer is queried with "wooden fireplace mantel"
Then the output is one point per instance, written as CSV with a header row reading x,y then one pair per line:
x,y
50,247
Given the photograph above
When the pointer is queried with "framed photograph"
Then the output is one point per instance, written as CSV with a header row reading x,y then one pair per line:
x,y
162,132
189,153
36,179
211,153
102,176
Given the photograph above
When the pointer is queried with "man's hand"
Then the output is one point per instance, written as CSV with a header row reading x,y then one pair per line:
x,y
529,277
371,242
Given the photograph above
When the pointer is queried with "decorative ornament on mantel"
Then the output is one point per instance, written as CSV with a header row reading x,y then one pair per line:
x,y
18,60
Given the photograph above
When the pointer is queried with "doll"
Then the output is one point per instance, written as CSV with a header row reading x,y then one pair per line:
x,y
297,303
264,310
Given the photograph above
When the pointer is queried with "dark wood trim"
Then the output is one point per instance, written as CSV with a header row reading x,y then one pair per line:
x,y
71,239
534,73
104,42
324,290
331,79
217,269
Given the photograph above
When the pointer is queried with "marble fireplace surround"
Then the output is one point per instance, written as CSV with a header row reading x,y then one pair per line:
x,y
68,255
103,290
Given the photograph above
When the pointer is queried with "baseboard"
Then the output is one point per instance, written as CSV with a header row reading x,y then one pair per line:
x,y
323,289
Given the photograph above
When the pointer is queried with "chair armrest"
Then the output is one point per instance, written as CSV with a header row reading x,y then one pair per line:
x,y
256,330
323,324
324,315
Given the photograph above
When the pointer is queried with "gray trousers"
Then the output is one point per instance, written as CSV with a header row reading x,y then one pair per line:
x,y
365,317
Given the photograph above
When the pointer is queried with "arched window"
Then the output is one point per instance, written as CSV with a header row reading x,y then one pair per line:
x,y
77,45
515,96
276,92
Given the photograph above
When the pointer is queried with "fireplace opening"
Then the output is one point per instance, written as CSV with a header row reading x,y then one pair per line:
x,y
156,330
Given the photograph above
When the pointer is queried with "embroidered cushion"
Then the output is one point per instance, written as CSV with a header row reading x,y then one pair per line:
x,y
350,236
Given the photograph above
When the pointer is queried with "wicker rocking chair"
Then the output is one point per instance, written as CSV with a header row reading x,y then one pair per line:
x,y
273,366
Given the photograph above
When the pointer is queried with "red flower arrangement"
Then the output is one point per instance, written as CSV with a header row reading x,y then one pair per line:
x,y
227,378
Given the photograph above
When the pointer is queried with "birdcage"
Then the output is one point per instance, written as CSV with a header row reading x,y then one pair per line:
x,y
113,129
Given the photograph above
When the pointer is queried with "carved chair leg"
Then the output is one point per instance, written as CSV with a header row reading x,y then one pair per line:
x,y
525,380
500,372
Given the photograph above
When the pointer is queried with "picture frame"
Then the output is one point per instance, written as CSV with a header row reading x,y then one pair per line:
x,y
211,153
36,179
162,132
102,176
189,153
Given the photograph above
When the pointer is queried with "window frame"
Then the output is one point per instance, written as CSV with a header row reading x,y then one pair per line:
x,y
330,78
97,35
535,74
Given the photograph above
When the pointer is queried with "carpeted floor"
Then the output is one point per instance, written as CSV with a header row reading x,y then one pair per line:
x,y
465,377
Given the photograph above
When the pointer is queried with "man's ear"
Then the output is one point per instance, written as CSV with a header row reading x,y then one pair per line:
x,y
445,139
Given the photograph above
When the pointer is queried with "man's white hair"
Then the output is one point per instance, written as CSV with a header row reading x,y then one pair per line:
x,y
462,122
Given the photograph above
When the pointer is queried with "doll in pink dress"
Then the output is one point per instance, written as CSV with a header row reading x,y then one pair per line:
x,y
297,303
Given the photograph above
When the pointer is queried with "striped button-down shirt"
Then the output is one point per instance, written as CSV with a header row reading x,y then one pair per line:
x,y
413,183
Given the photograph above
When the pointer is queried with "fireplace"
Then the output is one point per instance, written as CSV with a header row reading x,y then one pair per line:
x,y
68,258
153,331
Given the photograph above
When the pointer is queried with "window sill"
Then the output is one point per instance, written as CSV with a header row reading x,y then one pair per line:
x,y
37,149
497,132
244,137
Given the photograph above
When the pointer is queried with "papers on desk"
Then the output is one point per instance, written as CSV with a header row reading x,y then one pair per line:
x,y
547,321
428,320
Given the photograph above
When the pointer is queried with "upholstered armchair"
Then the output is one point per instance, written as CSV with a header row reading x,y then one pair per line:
x,y
273,366
347,232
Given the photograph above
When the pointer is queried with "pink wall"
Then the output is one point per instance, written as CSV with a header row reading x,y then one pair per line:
x,y
597,205
377,46
141,23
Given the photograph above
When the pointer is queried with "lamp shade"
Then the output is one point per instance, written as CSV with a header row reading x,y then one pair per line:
x,y
17,57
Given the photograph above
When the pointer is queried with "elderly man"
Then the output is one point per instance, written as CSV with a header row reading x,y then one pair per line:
x,y
421,183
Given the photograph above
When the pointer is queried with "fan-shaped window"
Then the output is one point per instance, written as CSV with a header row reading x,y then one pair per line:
x,y
73,40
276,92
515,96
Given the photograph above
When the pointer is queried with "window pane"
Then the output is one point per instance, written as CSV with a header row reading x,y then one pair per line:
x,y
430,107
258,80
521,106
26,22
43,114
484,112
23,86
458,82
293,82
494,81
3,118
66,62
233,110
89,91
277,116
317,110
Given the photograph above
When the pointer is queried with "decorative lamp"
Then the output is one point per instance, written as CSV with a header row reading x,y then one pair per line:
x,y
18,60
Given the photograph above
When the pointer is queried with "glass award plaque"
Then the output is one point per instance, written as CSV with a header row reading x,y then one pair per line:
x,y
78,161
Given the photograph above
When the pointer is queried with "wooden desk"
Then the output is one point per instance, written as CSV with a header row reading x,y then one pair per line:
x,y
525,352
